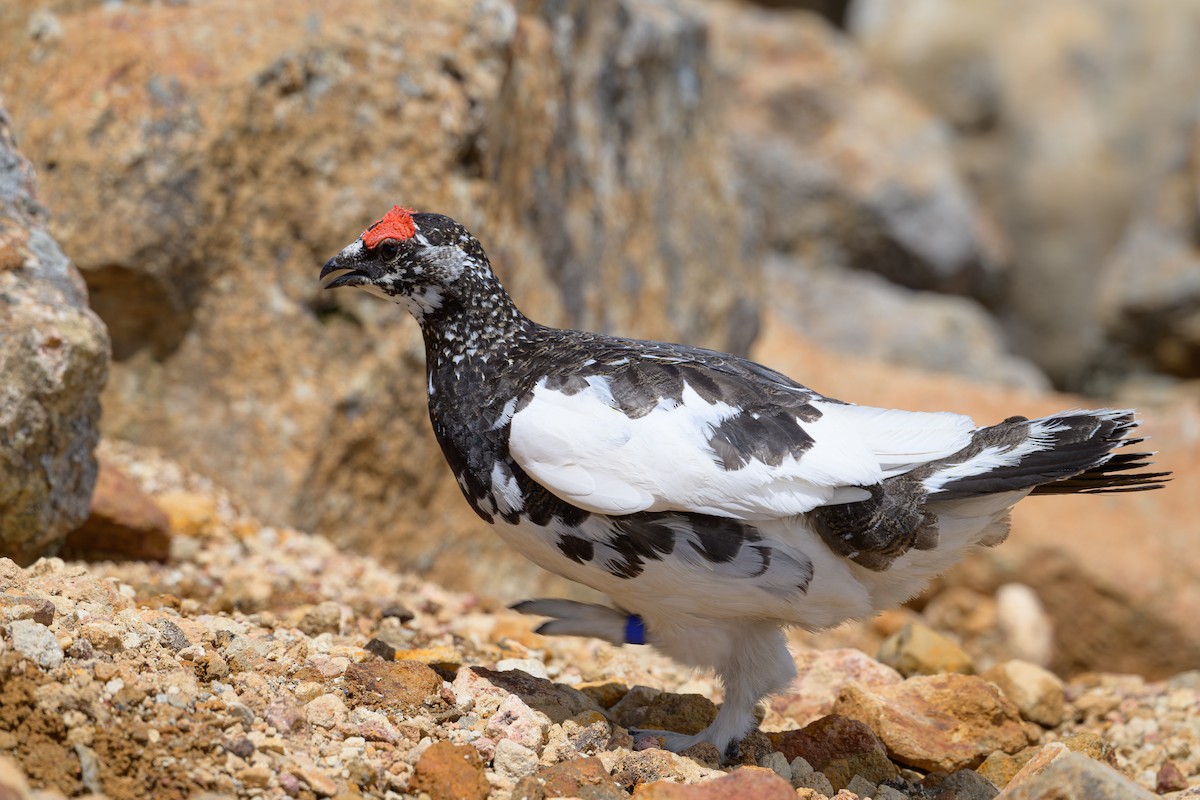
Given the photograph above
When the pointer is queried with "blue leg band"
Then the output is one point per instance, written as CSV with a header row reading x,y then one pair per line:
x,y
635,630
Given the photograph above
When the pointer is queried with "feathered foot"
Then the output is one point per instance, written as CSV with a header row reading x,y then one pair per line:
x,y
750,658
571,618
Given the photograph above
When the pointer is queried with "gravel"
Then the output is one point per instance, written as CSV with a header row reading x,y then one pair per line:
x,y
245,666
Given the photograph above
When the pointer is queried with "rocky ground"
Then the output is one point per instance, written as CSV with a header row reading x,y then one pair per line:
x,y
263,662
945,170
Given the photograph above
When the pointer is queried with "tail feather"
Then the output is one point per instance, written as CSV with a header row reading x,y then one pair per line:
x,y
1110,476
1066,453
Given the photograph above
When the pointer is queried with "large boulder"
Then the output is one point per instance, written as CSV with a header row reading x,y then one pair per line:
x,y
841,166
204,159
856,188
53,363
1066,115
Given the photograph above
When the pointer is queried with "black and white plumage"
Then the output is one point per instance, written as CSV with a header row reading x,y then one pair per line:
x,y
714,500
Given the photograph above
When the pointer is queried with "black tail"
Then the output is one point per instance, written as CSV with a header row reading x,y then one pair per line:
x,y
1067,453
1112,476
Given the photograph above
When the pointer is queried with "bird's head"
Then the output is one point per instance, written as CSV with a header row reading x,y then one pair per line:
x,y
421,261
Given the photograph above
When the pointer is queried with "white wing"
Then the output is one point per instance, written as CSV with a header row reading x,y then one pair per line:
x,y
585,450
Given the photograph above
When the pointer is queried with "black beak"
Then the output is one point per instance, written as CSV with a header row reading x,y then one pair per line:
x,y
347,268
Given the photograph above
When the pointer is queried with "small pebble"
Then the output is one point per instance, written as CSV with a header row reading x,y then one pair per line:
x,y
861,786
399,612
380,648
325,711
514,760
778,763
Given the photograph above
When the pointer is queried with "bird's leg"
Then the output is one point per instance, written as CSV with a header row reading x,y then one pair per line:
x,y
752,661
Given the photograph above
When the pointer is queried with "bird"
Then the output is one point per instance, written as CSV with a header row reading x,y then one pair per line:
x,y
715,501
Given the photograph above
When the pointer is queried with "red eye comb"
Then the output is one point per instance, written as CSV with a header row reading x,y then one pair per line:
x,y
396,224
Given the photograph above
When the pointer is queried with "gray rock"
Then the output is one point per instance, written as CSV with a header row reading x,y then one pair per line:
x,y
777,762
1185,680
861,786
885,792
1149,303
324,617
326,711
965,784
814,780
89,769
1076,777
801,768
53,364
36,642
171,634
865,315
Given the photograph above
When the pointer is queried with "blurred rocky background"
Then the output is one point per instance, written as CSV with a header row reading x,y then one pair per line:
x,y
991,207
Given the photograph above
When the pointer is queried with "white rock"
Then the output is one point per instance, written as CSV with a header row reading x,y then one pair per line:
x,y
325,711
36,642
518,722
1026,626
514,760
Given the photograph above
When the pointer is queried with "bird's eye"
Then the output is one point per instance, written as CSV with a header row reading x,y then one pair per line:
x,y
387,250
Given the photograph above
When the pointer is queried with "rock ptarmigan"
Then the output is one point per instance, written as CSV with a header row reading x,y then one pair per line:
x,y
714,500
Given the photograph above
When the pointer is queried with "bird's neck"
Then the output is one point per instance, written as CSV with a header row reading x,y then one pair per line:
x,y
472,330
472,361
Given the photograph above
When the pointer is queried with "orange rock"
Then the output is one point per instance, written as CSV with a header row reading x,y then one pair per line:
x,y
919,650
124,522
682,713
442,659
580,777
1055,771
606,694
1000,767
450,772
516,629
639,767
190,513
937,722
890,621
1038,693
12,780
400,684
746,783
